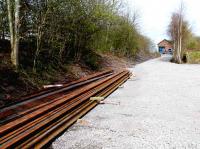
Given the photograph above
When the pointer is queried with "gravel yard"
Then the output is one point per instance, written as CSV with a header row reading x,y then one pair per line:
x,y
157,109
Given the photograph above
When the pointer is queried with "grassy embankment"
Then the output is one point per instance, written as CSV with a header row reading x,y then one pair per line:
x,y
193,57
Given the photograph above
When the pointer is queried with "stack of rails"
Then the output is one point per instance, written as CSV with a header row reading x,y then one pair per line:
x,y
39,126
30,102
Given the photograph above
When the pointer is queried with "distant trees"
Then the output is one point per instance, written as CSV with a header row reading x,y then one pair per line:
x,y
67,30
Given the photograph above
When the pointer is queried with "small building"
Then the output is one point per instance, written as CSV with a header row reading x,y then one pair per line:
x,y
165,47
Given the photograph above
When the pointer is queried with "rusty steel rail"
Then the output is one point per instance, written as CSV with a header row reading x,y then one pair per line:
x,y
58,102
17,110
39,127
49,134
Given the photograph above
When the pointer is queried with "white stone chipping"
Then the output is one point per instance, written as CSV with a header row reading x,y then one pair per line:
x,y
158,109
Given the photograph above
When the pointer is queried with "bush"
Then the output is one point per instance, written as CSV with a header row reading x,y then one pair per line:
x,y
193,57
92,60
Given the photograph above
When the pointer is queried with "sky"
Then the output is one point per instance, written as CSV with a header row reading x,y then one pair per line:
x,y
155,15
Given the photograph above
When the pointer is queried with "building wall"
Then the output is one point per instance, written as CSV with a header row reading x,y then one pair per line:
x,y
166,45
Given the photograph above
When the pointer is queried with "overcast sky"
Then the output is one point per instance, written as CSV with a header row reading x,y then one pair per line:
x,y
155,15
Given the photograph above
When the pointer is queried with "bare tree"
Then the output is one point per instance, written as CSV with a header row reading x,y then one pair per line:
x,y
179,31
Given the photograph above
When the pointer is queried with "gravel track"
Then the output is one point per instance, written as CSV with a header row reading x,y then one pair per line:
x,y
158,109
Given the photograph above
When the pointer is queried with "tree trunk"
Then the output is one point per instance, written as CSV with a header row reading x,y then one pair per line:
x,y
15,58
10,19
41,20
180,40
14,23
3,34
39,38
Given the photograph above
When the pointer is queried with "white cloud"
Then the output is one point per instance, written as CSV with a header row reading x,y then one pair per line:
x,y
155,16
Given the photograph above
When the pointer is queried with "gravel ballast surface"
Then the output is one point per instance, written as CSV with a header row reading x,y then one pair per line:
x,y
157,109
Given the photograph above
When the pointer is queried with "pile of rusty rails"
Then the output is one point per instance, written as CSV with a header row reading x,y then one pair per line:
x,y
38,119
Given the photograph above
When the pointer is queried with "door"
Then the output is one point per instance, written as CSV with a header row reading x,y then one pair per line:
x,y
161,50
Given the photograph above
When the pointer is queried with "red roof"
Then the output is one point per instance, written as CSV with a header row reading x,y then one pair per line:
x,y
166,41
